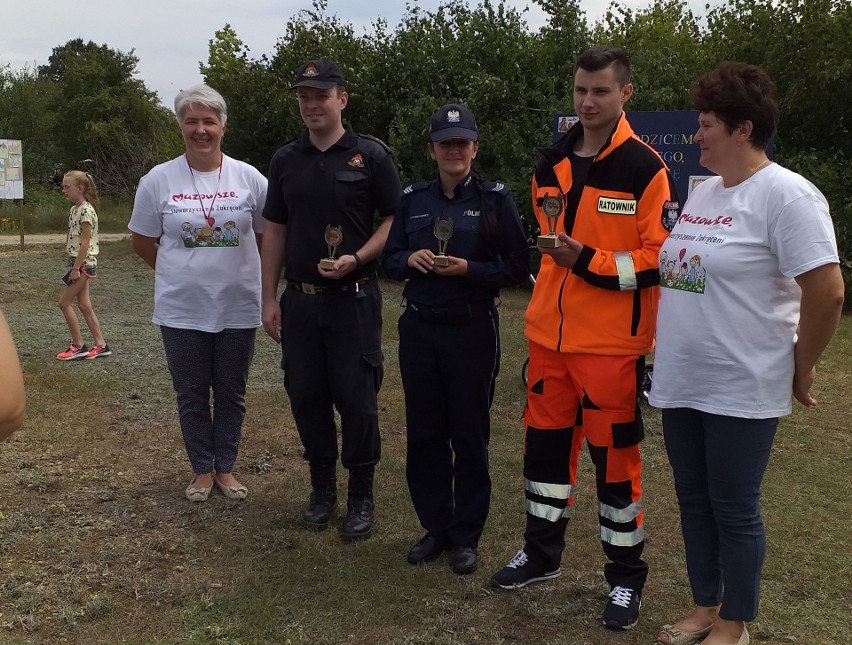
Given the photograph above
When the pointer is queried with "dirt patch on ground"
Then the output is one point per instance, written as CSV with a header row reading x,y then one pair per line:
x,y
54,238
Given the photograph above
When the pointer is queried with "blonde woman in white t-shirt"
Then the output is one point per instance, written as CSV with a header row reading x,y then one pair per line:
x,y
81,244
728,359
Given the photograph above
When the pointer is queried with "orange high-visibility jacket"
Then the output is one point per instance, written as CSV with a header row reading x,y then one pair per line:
x,y
606,304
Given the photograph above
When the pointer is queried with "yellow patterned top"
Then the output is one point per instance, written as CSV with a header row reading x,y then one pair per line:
x,y
77,216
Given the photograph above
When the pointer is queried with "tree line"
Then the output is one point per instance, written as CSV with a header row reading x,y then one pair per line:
x,y
86,104
85,110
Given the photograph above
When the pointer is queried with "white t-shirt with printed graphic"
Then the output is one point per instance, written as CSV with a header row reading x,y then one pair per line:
x,y
208,269
729,304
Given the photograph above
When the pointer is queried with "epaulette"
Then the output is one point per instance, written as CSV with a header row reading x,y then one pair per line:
x,y
376,140
288,142
496,187
413,188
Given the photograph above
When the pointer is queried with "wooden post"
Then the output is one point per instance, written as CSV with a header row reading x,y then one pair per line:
x,y
21,221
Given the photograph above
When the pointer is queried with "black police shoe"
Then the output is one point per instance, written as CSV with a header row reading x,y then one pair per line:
x,y
358,524
464,560
427,549
318,514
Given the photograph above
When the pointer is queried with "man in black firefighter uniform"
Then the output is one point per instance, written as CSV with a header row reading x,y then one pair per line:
x,y
326,189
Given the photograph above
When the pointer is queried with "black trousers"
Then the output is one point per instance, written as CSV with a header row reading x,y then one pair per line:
x,y
448,374
332,358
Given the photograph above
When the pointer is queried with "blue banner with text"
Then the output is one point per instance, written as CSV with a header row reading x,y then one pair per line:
x,y
671,134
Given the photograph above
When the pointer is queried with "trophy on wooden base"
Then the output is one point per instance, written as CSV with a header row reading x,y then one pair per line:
x,y
552,205
333,238
443,231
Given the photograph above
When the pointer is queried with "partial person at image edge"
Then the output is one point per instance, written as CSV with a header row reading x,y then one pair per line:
x,y
13,404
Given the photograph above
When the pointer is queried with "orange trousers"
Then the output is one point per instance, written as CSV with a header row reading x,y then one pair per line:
x,y
572,398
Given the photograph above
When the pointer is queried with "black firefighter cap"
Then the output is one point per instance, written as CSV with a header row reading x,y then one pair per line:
x,y
321,74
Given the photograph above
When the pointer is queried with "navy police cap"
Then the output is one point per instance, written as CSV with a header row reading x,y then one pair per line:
x,y
453,122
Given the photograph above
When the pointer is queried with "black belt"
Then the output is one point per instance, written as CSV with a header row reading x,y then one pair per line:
x,y
321,290
452,315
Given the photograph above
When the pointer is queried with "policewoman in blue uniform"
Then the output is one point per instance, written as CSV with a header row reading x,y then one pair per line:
x,y
449,339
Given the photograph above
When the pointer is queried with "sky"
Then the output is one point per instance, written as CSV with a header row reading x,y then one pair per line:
x,y
171,37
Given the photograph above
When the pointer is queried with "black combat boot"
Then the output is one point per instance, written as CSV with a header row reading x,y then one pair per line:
x,y
358,524
323,497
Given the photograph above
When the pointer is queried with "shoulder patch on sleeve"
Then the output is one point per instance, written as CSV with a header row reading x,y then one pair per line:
x,y
381,143
496,187
413,188
671,212
672,206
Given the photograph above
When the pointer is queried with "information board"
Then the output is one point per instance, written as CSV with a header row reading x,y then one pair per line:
x,y
11,169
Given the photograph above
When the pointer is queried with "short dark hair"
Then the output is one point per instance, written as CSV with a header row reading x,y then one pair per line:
x,y
598,58
736,93
339,89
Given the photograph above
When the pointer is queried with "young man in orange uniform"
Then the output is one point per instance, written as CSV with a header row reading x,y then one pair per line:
x,y
590,322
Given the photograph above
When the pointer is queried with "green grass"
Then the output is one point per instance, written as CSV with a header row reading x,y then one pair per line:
x,y
98,544
51,216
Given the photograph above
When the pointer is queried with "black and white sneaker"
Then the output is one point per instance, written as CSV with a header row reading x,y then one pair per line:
x,y
622,609
520,572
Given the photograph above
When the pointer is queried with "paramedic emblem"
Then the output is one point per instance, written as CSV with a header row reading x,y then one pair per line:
x,y
616,205
310,70
552,205
333,238
453,116
443,231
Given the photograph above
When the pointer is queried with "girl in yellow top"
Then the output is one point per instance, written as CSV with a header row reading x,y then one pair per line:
x,y
82,247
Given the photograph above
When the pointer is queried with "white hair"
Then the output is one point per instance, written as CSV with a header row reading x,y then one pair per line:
x,y
201,95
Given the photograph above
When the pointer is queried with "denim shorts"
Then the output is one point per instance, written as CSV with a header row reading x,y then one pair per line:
x,y
89,270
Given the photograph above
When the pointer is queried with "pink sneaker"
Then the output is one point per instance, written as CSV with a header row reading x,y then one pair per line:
x,y
99,350
73,352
